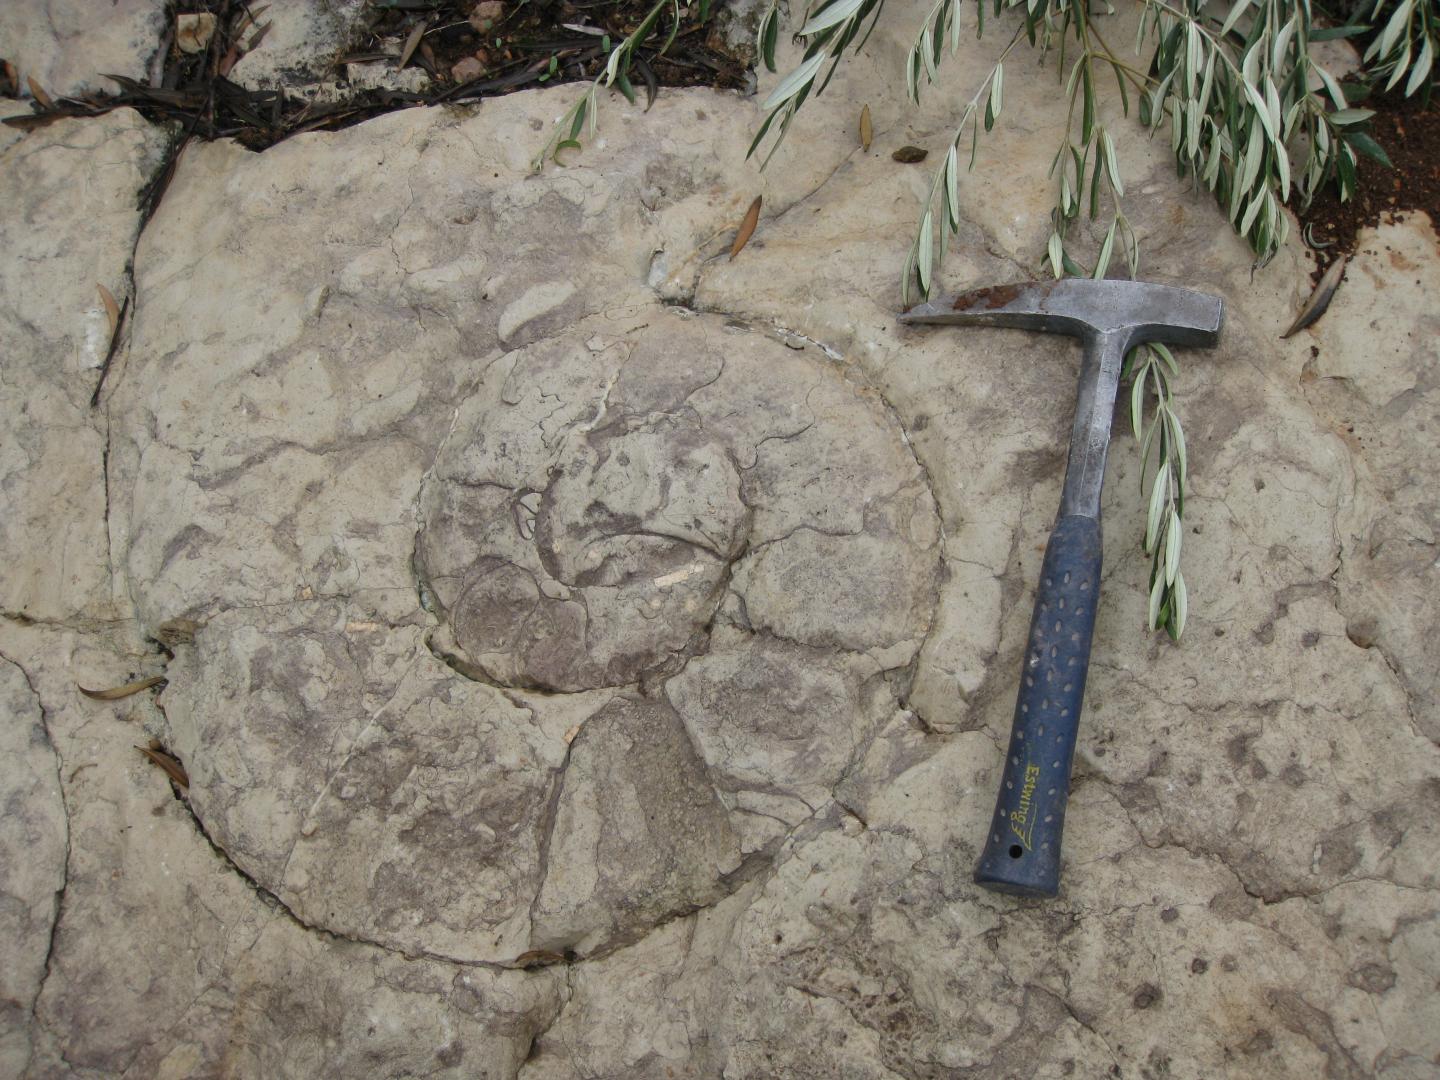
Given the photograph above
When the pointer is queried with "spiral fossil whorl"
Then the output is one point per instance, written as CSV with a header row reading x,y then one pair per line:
x,y
581,526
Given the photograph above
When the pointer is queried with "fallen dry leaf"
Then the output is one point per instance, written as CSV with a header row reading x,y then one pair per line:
x,y
112,309
172,766
175,632
747,227
45,100
909,155
256,38
1320,298
115,693
867,131
538,958
413,42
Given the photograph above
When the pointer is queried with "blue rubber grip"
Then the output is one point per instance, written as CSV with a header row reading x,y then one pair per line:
x,y
1022,849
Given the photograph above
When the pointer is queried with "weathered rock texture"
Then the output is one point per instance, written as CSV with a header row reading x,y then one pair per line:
x,y
69,46
69,225
590,655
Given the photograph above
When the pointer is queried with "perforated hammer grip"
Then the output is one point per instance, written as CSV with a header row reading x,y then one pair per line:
x,y
1022,850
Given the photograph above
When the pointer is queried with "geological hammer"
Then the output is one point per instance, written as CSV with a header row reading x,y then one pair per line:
x,y
1022,850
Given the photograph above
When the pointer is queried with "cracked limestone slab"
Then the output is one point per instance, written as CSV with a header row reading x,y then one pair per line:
x,y
68,46
70,193
309,317
376,792
33,842
168,963
304,40
1372,375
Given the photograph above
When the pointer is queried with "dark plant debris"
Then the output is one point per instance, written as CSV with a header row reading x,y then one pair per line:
x,y
517,44
1408,131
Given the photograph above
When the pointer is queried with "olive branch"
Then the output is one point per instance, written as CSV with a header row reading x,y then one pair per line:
x,y
1253,118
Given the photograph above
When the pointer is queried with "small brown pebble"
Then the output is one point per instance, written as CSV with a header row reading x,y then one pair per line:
x,y
1147,995
467,69
486,14
909,155
1169,915
1199,965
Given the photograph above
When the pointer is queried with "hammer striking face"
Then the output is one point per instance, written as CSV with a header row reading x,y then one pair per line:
x,y
1022,851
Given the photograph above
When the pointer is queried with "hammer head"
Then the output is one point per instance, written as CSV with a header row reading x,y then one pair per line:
x,y
1134,310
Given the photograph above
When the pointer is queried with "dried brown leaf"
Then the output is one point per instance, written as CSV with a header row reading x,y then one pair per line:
x,y
1320,298
413,42
175,632
747,227
172,766
112,309
538,958
115,693
867,130
46,101
910,155
256,38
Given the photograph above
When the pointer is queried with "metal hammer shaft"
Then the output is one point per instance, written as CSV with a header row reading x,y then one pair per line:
x,y
1022,847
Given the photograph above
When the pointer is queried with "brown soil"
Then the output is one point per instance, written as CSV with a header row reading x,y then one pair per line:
x,y
1409,133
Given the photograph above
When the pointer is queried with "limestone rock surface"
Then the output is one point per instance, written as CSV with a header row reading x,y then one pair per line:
x,y
69,226
68,46
590,656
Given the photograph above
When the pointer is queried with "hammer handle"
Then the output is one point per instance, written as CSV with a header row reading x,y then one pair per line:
x,y
1022,849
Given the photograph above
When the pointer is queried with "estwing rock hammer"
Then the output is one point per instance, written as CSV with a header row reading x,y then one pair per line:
x,y
1022,848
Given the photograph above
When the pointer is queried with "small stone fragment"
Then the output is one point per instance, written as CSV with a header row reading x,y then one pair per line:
x,y
193,31
486,14
910,155
467,69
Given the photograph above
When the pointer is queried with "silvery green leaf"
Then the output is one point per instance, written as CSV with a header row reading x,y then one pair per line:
x,y
952,187
1250,214
1057,255
1192,128
1157,590
1258,104
1181,600
1332,87
1422,68
1159,495
1250,66
1272,108
1253,156
1177,450
1163,351
793,83
1145,451
997,89
1399,21
1400,66
925,253
1112,167
1194,56
830,16
1172,548
1102,261
912,78
1281,44
1137,403
1208,81
1347,117
1235,12
1282,164
926,49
